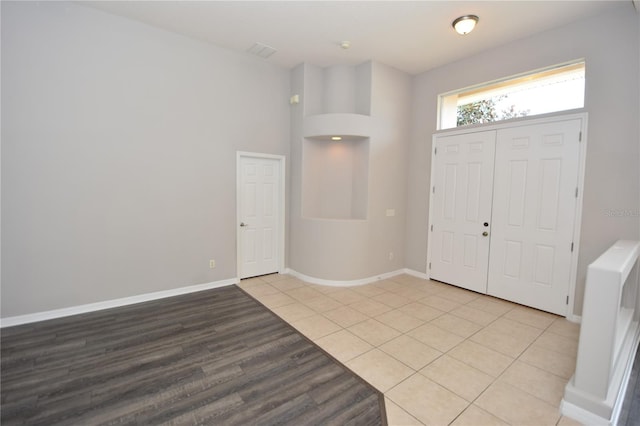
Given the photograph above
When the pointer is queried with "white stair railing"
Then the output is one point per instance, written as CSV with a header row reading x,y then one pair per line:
x,y
608,337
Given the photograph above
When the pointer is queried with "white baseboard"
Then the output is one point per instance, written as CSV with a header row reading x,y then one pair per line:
x,y
98,306
574,318
416,273
344,283
581,415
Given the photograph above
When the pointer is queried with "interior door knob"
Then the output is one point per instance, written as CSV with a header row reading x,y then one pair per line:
x,y
485,233
243,224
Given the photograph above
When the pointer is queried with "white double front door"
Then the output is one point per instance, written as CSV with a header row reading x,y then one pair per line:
x,y
503,212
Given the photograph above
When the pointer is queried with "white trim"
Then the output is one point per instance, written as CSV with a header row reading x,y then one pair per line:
x,y
577,224
515,76
416,273
260,155
550,118
587,417
114,303
515,122
506,79
281,206
581,415
344,283
601,376
574,318
429,218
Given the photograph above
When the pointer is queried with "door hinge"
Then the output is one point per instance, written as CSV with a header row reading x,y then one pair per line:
x,y
434,190
435,151
576,192
567,300
580,137
572,247
429,265
431,228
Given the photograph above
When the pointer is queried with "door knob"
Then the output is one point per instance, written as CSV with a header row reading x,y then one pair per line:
x,y
485,233
243,224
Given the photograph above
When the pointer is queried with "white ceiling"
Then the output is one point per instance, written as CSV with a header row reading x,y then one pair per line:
x,y
413,36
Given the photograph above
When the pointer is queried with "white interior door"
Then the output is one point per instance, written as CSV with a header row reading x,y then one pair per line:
x,y
462,191
534,206
260,215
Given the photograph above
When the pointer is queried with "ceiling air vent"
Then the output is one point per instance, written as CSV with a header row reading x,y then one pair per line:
x,y
261,50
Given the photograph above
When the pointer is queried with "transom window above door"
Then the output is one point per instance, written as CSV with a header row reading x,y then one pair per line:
x,y
557,88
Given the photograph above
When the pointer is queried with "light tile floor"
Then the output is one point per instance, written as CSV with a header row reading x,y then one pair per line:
x,y
440,354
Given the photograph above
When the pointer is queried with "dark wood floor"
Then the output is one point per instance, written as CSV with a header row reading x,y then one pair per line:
x,y
630,412
213,357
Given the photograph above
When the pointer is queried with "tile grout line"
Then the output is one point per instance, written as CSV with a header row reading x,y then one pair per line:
x,y
430,321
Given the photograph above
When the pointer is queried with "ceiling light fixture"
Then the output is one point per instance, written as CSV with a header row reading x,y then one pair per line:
x,y
336,138
465,24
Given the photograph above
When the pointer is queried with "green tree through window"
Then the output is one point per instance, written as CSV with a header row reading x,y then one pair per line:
x,y
486,111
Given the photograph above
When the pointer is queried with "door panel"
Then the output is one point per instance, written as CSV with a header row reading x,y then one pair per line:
x,y
463,179
534,205
259,216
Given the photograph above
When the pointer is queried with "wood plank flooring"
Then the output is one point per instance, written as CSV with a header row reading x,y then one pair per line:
x,y
212,357
630,412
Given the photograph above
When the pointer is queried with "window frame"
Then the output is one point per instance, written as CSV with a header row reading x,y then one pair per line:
x,y
448,113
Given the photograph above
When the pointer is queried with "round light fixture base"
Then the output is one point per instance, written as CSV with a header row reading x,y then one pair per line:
x,y
465,24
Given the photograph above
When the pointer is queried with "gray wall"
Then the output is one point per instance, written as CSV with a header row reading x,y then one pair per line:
x,y
608,43
343,250
118,155
119,140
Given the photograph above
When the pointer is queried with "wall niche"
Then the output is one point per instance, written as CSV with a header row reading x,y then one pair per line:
x,y
335,178
335,174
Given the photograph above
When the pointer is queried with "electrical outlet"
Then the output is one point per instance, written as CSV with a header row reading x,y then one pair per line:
x,y
390,255
212,264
